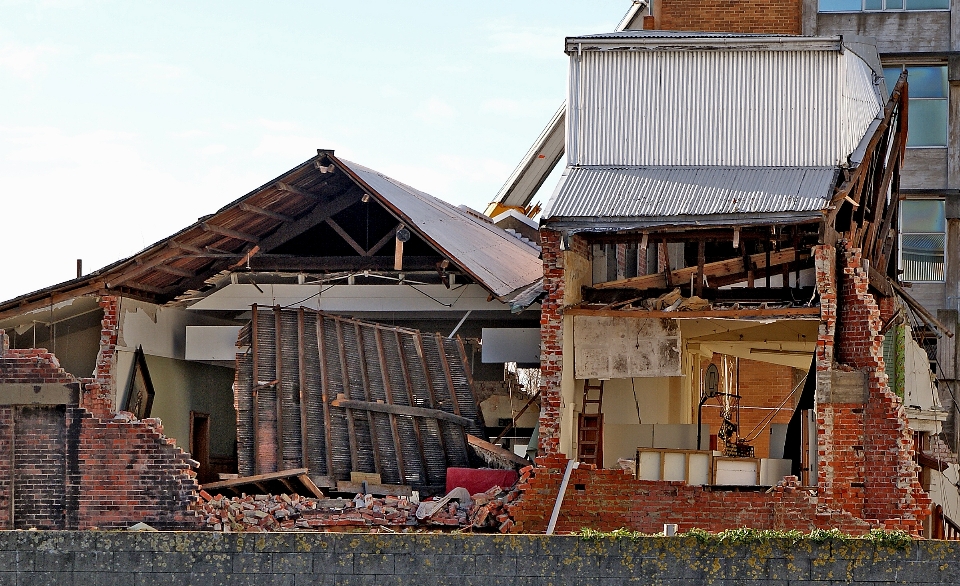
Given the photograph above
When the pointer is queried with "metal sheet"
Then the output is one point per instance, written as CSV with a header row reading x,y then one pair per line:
x,y
501,262
751,106
636,192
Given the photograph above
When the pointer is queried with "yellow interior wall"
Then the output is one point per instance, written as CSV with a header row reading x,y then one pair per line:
x,y
578,272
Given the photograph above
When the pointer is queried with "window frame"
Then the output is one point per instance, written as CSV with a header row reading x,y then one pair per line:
x,y
945,99
863,8
901,233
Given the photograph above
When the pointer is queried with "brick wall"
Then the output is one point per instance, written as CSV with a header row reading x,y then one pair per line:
x,y
866,454
781,17
762,387
75,469
610,499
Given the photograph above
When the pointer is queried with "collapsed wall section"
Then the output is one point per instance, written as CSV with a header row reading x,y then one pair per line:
x,y
66,463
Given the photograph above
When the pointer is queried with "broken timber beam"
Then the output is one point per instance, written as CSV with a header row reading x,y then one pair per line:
x,y
497,450
921,310
342,401
710,270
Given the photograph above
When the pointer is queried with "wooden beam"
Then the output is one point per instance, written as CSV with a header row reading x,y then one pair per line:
x,y
361,359
517,416
301,192
278,348
384,489
422,359
345,374
305,455
342,401
713,269
343,234
176,271
718,313
388,393
140,267
408,385
254,347
266,213
383,241
921,310
497,450
293,263
325,394
319,213
236,235
447,373
142,287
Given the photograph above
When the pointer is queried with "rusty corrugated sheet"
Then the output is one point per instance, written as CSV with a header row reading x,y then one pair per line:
x,y
314,360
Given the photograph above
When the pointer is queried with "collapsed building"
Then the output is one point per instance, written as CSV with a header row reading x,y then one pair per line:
x,y
154,337
721,313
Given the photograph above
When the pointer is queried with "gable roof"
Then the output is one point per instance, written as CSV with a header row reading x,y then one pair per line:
x,y
286,207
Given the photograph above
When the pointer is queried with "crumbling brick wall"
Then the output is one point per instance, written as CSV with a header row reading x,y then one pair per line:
x,y
730,16
609,499
865,448
551,334
77,466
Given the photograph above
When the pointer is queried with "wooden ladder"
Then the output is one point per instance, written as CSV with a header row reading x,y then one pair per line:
x,y
590,425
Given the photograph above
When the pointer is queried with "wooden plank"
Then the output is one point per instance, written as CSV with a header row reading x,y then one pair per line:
x,y
279,389
718,313
367,477
408,384
517,416
921,310
224,231
426,375
265,212
306,481
388,392
345,374
176,271
254,347
325,394
365,379
448,373
376,489
256,479
342,401
469,373
301,192
497,450
141,267
305,455
713,269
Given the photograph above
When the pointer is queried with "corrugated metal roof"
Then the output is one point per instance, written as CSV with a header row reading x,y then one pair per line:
x,y
499,261
691,192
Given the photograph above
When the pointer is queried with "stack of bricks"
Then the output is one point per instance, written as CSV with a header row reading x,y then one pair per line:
x,y
866,455
777,17
87,468
610,499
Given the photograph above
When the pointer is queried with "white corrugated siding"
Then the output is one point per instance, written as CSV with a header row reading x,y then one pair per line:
x,y
859,101
725,107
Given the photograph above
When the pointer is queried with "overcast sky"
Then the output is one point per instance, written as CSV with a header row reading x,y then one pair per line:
x,y
123,121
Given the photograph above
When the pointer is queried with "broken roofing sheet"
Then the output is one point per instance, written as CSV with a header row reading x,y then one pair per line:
x,y
336,395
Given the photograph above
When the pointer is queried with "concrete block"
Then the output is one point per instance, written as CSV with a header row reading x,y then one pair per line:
x,y
133,561
293,563
93,561
496,565
365,563
45,578
252,563
831,569
333,564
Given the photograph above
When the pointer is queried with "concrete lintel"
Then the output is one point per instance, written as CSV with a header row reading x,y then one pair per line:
x,y
39,393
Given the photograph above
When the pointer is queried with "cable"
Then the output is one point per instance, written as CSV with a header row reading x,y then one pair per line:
x,y
633,383
768,418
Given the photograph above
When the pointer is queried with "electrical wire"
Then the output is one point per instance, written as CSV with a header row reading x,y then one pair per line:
x,y
633,383
769,417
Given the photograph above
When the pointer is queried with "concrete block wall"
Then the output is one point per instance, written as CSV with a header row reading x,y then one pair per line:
x,y
317,559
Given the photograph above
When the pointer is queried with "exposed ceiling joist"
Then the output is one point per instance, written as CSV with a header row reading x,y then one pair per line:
x,y
318,214
142,267
302,193
177,271
207,226
266,213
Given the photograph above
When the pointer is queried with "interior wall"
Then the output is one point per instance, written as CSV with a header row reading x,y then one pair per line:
x,y
182,387
628,403
578,272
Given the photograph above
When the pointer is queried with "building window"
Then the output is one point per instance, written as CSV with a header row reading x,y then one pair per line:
x,y
929,90
922,239
881,5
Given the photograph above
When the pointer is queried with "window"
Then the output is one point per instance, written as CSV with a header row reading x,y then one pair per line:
x,y
879,5
929,90
922,239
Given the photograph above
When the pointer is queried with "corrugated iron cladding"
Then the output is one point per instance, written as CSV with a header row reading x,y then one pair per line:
x,y
729,107
499,261
689,191
364,362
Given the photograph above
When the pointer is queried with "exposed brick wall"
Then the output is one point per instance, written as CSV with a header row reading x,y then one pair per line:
x,y
781,17
762,387
551,335
609,499
99,392
74,469
866,454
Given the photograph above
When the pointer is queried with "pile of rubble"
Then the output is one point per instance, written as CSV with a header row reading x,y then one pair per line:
x,y
486,511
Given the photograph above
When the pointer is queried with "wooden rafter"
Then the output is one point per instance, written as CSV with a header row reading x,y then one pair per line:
x,y
229,233
343,234
266,213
